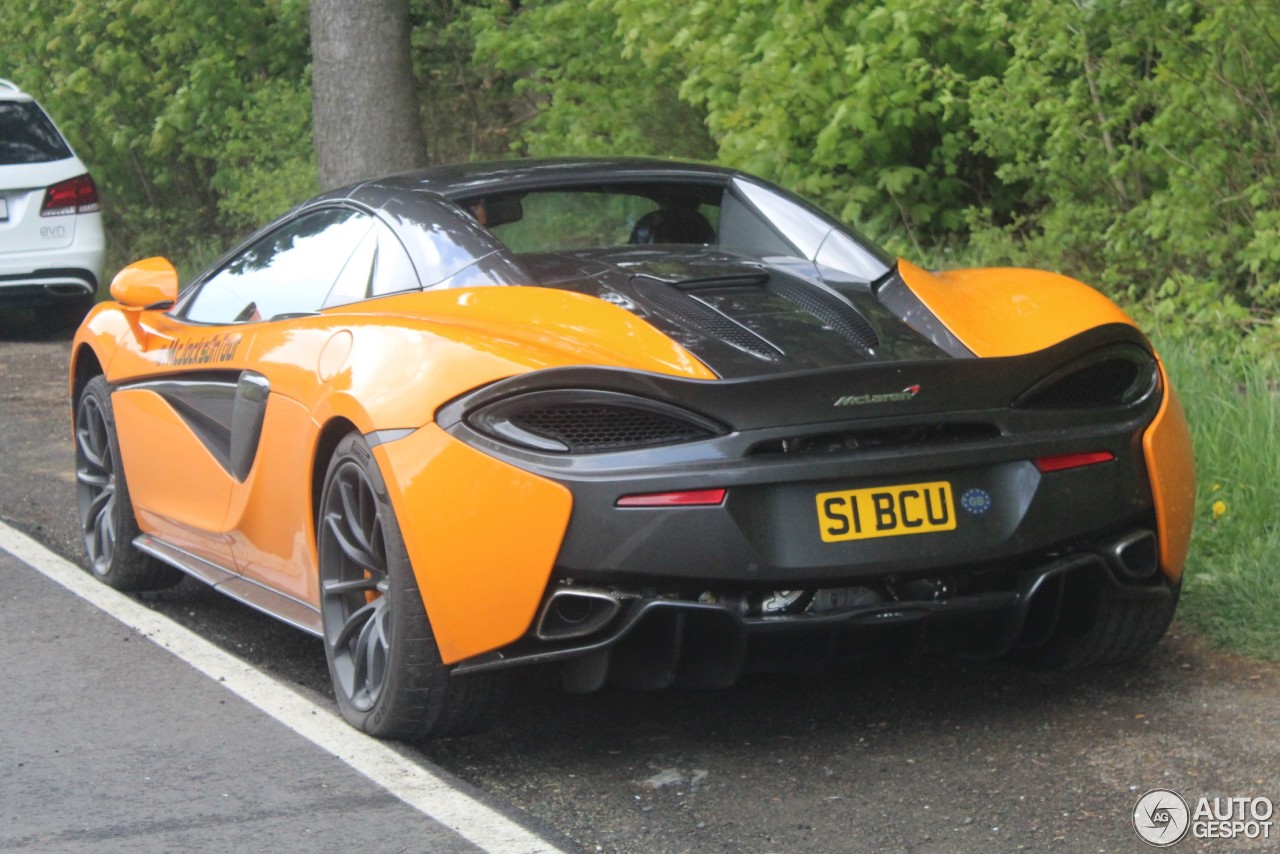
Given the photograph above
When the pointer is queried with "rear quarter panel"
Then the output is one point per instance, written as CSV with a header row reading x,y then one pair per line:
x,y
482,535
1009,312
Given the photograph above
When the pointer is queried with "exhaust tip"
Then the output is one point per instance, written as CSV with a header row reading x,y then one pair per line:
x,y
1135,556
574,613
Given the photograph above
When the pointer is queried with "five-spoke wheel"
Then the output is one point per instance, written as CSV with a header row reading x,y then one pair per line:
x,y
387,674
354,585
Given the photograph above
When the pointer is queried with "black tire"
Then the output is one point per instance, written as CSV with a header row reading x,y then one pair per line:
x,y
383,660
1102,627
107,520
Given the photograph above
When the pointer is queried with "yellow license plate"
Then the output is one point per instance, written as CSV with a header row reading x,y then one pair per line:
x,y
886,511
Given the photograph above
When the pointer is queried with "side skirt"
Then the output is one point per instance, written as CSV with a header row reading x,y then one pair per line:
x,y
296,613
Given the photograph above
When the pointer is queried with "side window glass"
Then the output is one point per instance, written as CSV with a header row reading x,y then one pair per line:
x,y
817,238
289,271
440,238
742,229
394,271
354,281
804,230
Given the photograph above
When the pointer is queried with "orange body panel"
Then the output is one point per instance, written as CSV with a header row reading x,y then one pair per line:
x,y
1010,312
482,537
148,282
1172,469
189,510
270,515
568,328
380,365
151,437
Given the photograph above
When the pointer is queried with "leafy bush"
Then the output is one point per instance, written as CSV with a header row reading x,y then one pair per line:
x,y
1146,137
576,89
194,116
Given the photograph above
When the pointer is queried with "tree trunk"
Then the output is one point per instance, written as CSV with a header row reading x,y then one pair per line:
x,y
365,107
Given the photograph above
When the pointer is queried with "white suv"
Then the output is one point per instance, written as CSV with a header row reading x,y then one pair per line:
x,y
51,242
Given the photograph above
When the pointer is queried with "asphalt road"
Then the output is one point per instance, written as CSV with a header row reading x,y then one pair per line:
x,y
940,755
116,745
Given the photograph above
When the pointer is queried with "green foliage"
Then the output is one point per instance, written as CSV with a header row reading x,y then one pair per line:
x,y
1133,145
467,106
194,116
860,105
1146,138
575,90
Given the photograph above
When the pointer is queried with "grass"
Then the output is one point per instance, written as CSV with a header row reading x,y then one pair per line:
x,y
1231,594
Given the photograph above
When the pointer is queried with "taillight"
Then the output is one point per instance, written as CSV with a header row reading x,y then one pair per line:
x,y
1061,462
72,196
688,498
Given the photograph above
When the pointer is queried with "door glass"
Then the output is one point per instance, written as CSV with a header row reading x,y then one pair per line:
x,y
290,271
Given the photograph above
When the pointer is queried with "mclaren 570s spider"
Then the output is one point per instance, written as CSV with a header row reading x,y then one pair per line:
x,y
643,423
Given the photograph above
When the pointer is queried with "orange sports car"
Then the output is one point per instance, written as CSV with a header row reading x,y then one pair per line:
x,y
648,423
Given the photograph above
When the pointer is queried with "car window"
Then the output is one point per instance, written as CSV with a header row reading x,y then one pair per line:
x,y
27,135
393,271
378,266
591,218
354,282
742,229
816,237
289,271
570,220
440,240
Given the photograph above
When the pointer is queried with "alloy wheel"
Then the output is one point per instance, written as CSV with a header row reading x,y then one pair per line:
x,y
95,485
354,583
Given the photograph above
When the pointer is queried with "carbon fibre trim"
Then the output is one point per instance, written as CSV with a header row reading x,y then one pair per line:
x,y
949,390
994,622
828,308
703,318
288,610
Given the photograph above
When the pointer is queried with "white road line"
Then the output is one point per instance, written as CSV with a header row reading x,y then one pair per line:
x,y
415,785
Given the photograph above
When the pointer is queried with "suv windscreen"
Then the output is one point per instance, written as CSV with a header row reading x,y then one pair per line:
x,y
27,135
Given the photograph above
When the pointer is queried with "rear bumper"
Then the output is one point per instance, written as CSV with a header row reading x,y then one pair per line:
x,y
767,533
47,287
656,642
41,277
784,448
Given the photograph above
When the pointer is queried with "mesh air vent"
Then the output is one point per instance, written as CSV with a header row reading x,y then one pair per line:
x,y
588,428
703,318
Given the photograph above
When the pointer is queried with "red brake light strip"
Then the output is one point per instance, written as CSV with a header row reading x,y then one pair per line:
x,y
689,498
1058,462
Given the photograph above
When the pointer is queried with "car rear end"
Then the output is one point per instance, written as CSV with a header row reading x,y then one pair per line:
x,y
975,506
51,236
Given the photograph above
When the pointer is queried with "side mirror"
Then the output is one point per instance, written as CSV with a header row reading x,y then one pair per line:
x,y
149,283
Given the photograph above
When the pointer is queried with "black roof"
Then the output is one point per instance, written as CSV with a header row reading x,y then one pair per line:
x,y
470,179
